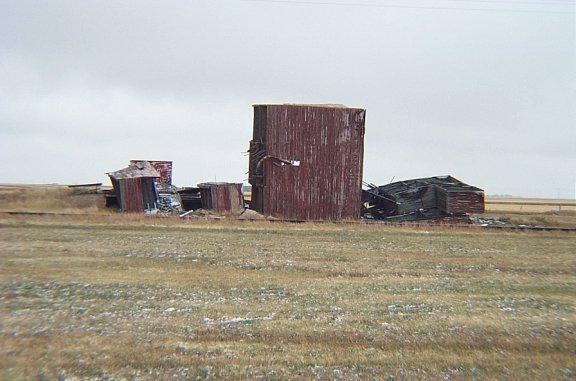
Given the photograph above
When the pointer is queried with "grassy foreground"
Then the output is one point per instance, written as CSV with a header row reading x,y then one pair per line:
x,y
122,298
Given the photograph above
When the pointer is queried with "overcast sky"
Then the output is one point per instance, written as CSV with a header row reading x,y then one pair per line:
x,y
481,90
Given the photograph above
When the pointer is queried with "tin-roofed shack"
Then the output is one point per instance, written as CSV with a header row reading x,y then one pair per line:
x,y
306,161
135,187
426,198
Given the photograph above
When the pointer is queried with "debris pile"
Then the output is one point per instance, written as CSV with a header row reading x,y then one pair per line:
x,y
200,214
169,201
251,215
489,221
190,198
437,197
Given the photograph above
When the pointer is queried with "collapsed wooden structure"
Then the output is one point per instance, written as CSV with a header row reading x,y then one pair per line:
x,y
418,199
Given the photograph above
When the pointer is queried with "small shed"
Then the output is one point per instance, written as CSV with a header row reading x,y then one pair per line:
x,y
306,161
135,187
222,197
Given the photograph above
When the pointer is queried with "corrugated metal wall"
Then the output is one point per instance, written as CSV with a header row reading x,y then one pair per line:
x,y
306,161
135,194
222,197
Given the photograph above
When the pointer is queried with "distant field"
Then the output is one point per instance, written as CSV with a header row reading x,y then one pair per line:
x,y
531,211
530,205
134,298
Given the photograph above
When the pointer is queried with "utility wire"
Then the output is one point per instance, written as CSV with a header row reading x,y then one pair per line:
x,y
360,4
373,5
520,2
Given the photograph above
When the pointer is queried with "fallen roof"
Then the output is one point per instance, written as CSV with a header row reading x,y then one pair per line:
x,y
425,198
135,170
447,183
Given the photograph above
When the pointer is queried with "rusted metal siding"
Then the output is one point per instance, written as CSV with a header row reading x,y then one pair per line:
x,y
163,167
135,187
306,161
135,195
222,197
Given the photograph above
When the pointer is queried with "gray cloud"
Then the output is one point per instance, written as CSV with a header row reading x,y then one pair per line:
x,y
485,96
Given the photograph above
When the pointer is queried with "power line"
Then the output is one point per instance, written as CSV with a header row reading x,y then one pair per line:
x,y
520,2
373,5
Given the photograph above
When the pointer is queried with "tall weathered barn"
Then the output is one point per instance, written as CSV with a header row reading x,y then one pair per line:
x,y
306,161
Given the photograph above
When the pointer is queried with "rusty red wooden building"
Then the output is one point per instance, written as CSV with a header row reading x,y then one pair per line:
x,y
306,161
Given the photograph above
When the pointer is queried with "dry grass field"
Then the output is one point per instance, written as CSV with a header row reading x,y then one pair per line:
x,y
50,199
135,298
533,211
530,205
